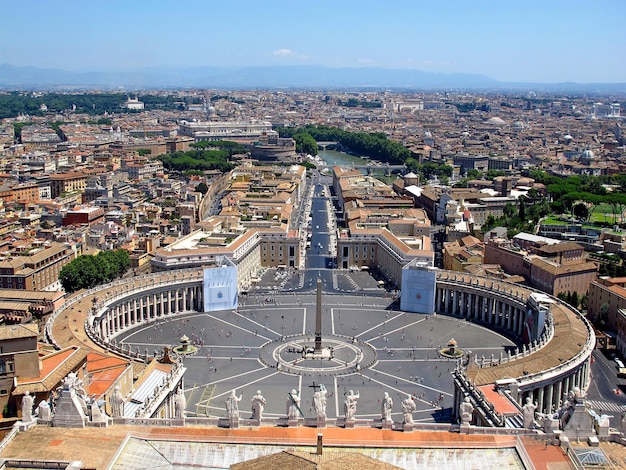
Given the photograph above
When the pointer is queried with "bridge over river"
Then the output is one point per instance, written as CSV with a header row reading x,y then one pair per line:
x,y
371,168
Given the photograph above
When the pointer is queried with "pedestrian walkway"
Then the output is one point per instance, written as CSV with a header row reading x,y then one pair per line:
x,y
604,407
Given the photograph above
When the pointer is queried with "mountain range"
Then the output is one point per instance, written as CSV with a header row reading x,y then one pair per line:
x,y
273,77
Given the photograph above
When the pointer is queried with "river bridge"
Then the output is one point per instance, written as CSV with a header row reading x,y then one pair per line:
x,y
370,168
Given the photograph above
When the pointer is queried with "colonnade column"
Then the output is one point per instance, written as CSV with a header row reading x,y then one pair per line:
x,y
540,398
116,322
438,300
509,316
474,309
455,302
559,393
549,399
462,303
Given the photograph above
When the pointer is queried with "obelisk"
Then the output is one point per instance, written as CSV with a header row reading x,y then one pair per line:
x,y
318,318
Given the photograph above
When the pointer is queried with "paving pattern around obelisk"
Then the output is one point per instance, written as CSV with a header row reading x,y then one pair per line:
x,y
375,349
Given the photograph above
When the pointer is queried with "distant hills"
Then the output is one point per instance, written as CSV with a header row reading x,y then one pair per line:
x,y
273,77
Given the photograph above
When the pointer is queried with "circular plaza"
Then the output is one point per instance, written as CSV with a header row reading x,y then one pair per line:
x,y
375,350
367,347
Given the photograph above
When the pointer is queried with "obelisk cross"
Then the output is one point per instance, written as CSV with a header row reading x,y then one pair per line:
x,y
318,317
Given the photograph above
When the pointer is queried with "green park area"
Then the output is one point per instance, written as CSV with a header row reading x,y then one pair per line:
x,y
603,213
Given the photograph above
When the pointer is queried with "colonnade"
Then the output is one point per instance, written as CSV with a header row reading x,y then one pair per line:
x,y
551,395
481,305
504,307
147,305
499,306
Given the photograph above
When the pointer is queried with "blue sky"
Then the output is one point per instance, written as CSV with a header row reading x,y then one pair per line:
x,y
508,40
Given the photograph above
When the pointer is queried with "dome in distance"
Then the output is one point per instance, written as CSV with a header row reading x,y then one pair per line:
x,y
496,121
588,155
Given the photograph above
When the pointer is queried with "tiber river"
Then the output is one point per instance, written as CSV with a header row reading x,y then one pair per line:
x,y
332,158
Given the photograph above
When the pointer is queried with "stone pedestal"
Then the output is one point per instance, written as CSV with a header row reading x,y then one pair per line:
x,y
593,441
44,413
464,428
24,426
321,422
292,423
408,427
233,423
387,424
349,424
556,437
255,422
579,424
98,418
602,430
550,425
69,411
564,442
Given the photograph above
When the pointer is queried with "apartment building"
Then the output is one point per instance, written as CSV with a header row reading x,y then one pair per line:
x,y
458,255
19,357
34,266
471,162
552,268
224,130
88,215
61,183
250,250
611,292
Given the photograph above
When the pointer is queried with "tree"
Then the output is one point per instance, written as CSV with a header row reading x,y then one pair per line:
x,y
509,210
580,210
474,174
522,209
202,187
305,143
88,271
603,317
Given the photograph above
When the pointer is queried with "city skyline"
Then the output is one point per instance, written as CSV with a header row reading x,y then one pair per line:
x,y
543,42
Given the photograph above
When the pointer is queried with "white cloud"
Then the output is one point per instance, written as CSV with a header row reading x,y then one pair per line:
x,y
288,53
365,61
283,52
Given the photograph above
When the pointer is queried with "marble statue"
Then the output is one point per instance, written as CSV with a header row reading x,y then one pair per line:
x,y
117,403
180,403
97,416
232,406
349,405
385,407
293,405
319,402
258,405
27,407
44,411
408,407
466,410
528,413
